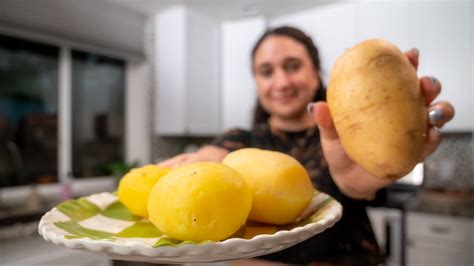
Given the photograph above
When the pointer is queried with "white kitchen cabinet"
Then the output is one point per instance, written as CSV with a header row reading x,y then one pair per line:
x,y
238,86
442,32
205,86
439,240
331,27
187,73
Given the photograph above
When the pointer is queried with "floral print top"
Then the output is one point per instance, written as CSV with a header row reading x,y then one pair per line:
x,y
350,241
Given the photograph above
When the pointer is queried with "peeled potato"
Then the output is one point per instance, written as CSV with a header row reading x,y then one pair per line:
x,y
200,201
280,185
135,186
377,106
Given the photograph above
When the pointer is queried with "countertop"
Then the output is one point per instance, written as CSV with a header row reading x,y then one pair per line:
x,y
429,201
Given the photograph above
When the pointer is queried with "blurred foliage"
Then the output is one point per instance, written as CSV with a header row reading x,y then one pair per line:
x,y
119,168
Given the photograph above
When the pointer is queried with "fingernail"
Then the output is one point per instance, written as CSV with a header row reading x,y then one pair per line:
x,y
416,51
433,80
434,116
309,108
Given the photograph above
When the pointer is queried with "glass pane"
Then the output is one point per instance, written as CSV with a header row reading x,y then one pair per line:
x,y
98,113
28,112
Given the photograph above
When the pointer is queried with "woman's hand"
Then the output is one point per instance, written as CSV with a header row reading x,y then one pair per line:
x,y
351,178
207,153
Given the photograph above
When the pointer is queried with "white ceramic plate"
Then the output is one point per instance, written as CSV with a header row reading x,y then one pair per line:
x,y
100,223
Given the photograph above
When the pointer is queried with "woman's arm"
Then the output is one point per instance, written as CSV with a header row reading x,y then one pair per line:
x,y
207,153
352,179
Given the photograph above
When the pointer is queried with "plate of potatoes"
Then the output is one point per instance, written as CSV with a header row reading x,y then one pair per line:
x,y
253,203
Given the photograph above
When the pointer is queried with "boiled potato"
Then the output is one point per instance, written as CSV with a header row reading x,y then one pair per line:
x,y
200,201
135,186
377,106
280,185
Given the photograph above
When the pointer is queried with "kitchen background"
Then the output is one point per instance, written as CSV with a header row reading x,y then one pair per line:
x,y
90,88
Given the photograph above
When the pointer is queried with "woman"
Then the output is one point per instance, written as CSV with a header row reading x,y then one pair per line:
x,y
286,68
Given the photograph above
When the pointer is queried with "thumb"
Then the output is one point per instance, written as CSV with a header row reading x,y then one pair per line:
x,y
322,116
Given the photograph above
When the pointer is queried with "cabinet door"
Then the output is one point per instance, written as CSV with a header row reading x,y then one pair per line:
x,y
187,65
422,252
170,62
202,79
442,33
439,239
238,86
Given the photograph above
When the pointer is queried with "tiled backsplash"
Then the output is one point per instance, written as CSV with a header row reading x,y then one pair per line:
x,y
450,166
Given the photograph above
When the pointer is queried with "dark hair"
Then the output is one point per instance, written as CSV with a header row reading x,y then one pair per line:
x,y
260,115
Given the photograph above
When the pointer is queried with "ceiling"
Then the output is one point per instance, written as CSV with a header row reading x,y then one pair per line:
x,y
226,9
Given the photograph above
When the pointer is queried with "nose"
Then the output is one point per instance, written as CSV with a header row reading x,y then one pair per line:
x,y
281,80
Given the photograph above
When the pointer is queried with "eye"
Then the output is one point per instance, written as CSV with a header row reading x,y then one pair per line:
x,y
265,71
292,66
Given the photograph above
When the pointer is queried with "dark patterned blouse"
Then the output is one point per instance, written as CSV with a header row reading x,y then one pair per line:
x,y
351,241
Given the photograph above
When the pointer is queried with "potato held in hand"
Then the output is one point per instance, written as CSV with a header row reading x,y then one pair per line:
x,y
200,201
135,186
280,185
377,107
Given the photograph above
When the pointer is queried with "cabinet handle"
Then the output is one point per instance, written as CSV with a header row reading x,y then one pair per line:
x,y
439,229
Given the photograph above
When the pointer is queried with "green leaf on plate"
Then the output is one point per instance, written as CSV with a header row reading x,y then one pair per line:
x,y
141,229
319,214
167,241
78,210
118,211
78,231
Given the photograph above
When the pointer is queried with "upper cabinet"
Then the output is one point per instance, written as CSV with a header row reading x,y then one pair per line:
x,y
331,28
204,81
442,31
238,86
187,86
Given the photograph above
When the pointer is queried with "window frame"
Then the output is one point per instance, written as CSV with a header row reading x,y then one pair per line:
x,y
83,186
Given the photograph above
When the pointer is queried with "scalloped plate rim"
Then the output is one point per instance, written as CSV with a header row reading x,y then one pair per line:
x,y
205,252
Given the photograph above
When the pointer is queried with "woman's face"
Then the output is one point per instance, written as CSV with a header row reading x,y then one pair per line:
x,y
285,75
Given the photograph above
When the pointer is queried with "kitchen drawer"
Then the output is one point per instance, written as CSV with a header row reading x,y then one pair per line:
x,y
436,253
440,227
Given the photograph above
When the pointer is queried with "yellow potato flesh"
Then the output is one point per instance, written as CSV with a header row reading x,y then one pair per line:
x,y
135,186
378,109
280,185
200,201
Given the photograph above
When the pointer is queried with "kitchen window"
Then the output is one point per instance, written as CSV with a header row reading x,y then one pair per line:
x,y
61,112
97,113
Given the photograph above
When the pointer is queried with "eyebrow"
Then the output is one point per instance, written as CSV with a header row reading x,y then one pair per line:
x,y
291,58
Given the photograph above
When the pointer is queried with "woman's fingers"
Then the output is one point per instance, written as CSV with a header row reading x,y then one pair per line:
x,y
440,113
320,112
431,88
179,159
433,139
413,56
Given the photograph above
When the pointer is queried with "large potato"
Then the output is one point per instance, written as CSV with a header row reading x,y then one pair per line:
x,y
377,106
200,201
280,185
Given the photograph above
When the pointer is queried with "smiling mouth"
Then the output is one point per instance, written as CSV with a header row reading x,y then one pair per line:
x,y
284,99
